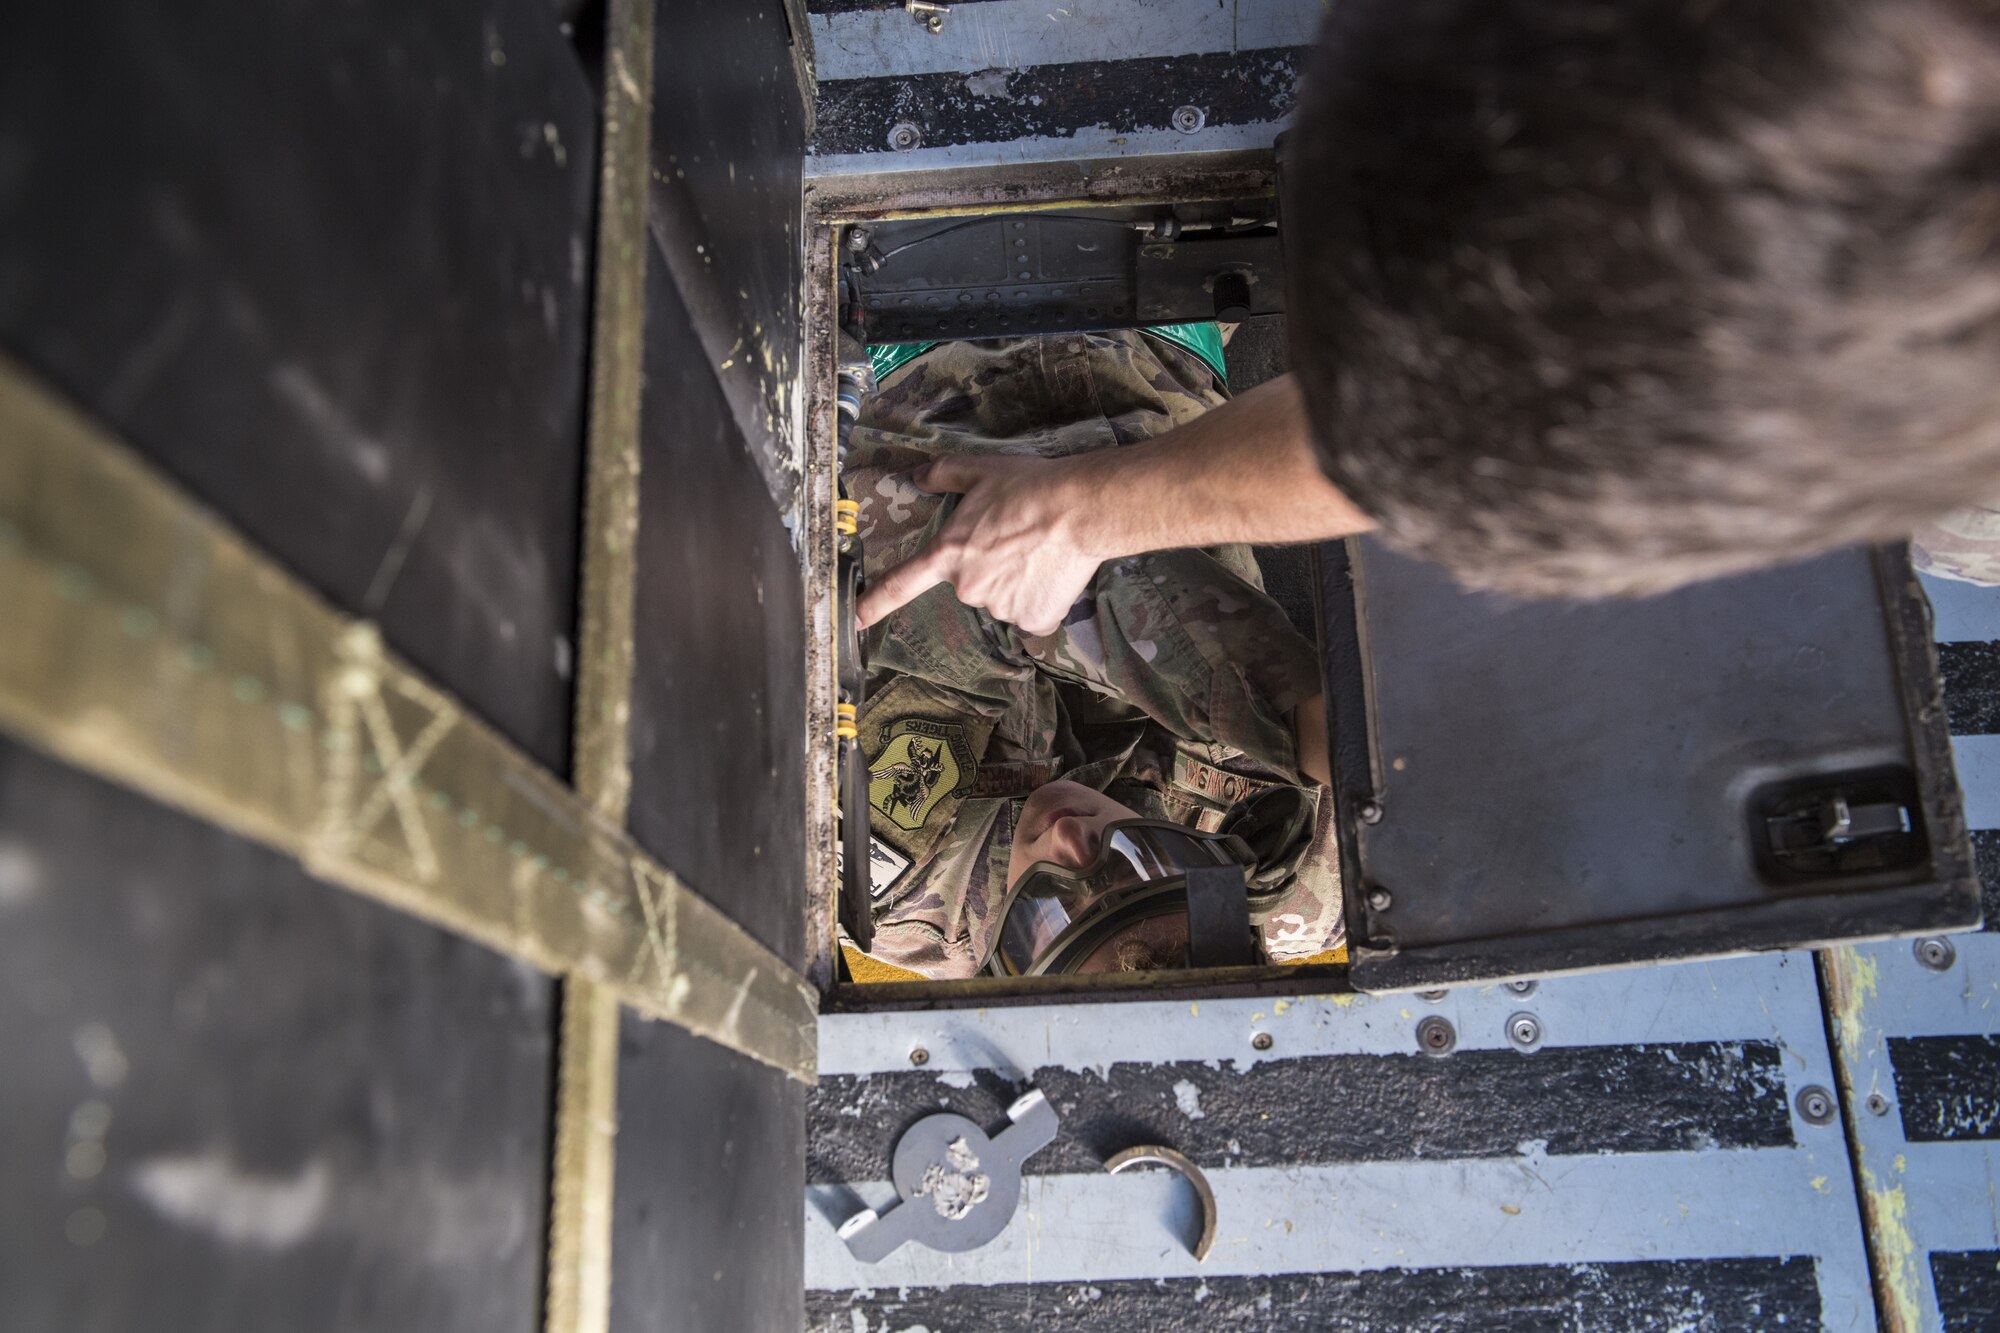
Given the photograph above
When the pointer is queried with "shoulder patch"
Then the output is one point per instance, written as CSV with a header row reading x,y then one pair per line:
x,y
921,762
885,865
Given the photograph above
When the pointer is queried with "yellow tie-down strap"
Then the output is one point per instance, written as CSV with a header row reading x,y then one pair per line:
x,y
148,643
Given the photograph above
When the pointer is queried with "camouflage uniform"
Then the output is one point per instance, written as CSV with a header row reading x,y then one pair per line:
x,y
1963,546
1169,686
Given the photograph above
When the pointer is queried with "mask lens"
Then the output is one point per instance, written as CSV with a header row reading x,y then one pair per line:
x,y
1052,903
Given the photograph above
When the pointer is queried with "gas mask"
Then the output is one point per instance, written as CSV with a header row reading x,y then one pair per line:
x,y
1158,895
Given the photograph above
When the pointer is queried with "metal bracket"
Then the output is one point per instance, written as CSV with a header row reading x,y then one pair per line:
x,y
958,1187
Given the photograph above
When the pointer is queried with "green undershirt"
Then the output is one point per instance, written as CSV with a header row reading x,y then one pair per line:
x,y
1204,339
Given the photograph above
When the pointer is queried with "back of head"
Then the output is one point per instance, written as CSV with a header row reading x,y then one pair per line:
x,y
1603,296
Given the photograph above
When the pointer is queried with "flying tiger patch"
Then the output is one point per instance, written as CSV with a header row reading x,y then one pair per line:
x,y
920,764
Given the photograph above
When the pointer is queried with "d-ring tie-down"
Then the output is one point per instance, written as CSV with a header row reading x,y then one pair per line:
x,y
1153,1154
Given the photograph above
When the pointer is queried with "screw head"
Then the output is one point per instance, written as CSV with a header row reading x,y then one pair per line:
x,y
1936,954
1188,119
1524,1031
1261,1042
1381,900
1816,1105
934,23
1433,996
905,136
1522,987
1877,1104
858,238
1436,1035
1371,813
919,1056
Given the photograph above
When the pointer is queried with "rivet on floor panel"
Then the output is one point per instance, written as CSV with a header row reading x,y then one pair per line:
x,y
1936,954
1436,1036
1525,1031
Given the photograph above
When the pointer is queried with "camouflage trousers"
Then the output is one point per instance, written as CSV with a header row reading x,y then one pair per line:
x,y
1170,684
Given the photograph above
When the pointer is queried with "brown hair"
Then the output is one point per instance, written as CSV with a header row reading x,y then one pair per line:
x,y
1598,297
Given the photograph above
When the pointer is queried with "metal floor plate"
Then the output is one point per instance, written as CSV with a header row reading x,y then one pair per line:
x,y
1657,1124
1006,82
1921,1033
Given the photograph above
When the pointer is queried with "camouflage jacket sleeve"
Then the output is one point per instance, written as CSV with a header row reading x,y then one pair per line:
x,y
1181,645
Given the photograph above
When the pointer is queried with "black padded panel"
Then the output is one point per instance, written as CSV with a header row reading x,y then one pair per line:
x,y
327,263
708,1224
236,1098
727,204
718,695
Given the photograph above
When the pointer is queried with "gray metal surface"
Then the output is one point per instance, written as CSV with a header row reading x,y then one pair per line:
x,y
1929,1139
1939,1191
856,43
1398,1197
1021,81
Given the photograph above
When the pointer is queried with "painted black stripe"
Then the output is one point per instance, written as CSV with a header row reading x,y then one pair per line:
x,y
1968,1290
1971,675
1948,1088
1706,1294
1119,96
1350,1108
1986,859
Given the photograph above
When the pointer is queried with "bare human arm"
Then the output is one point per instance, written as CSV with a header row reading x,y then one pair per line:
x,y
1309,731
1028,533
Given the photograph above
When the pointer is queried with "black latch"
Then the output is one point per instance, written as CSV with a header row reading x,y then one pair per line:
x,y
1852,825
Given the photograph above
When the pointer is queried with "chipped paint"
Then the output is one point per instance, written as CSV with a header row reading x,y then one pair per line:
x,y
1895,1251
1852,982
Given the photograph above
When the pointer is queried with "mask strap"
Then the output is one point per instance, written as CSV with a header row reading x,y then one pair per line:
x,y
1219,918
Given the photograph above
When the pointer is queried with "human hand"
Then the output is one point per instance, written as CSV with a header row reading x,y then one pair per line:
x,y
1013,547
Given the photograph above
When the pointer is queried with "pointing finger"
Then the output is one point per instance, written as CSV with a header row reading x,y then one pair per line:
x,y
948,475
895,589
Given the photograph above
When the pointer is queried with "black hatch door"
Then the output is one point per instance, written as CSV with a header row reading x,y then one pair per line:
x,y
1754,763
